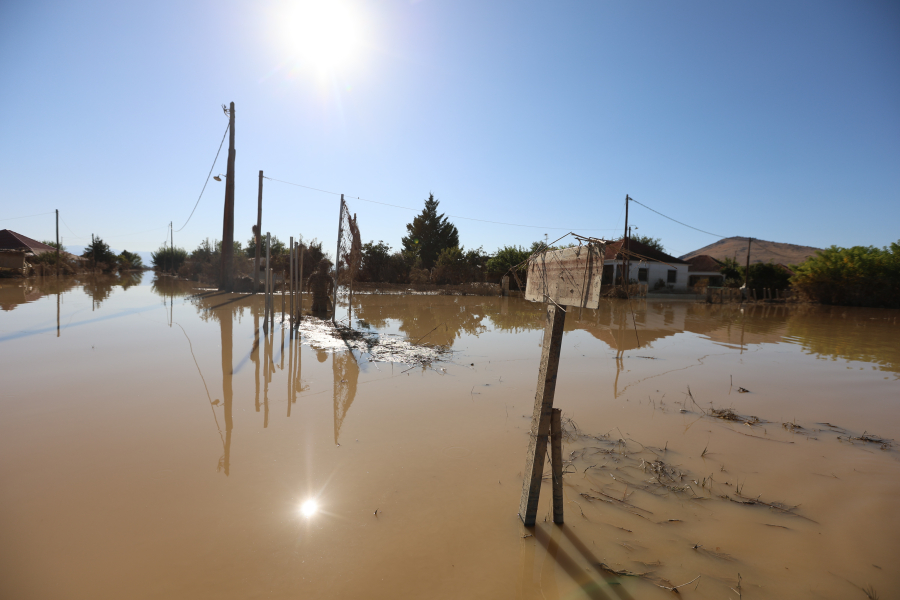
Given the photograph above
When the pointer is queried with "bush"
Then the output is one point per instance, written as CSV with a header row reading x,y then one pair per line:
x,y
167,258
857,276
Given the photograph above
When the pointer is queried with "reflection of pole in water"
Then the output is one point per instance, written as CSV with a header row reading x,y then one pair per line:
x,y
57,307
346,375
290,378
268,360
254,354
619,367
227,366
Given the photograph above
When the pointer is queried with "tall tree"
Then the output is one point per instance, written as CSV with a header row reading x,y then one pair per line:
x,y
429,234
649,241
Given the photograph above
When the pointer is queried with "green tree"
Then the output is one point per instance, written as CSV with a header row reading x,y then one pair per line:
x,y
428,234
508,257
375,259
100,254
857,276
129,260
167,258
278,247
649,241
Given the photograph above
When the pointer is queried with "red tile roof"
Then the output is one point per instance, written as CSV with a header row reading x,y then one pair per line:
x,y
641,251
10,240
704,263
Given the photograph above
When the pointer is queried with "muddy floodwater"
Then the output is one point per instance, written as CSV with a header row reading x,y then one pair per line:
x,y
152,445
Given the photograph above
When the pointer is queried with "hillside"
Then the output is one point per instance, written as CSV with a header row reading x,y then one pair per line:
x,y
760,251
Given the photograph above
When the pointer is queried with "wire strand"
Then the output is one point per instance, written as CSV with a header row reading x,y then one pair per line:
x,y
80,237
222,143
679,222
453,216
27,216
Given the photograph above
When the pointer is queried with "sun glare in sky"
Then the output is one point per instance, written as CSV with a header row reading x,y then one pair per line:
x,y
324,36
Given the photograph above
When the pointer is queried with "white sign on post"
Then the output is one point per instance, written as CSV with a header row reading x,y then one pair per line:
x,y
567,277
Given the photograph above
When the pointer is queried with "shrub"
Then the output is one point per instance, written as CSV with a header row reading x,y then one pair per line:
x,y
857,276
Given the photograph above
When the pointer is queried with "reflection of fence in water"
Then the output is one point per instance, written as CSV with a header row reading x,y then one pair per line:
x,y
720,295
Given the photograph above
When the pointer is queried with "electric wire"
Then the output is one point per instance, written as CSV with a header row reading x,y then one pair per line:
x,y
205,183
27,216
679,222
79,237
449,215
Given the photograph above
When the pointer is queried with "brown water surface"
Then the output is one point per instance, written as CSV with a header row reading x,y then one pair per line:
x,y
152,445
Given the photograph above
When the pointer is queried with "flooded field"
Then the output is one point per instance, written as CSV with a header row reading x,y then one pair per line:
x,y
153,446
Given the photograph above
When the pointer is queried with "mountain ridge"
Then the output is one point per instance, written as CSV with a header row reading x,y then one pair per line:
x,y
760,251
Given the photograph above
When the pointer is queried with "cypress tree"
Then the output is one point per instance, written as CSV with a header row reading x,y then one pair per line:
x,y
429,233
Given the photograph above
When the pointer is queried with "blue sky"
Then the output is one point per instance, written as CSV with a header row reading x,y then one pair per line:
x,y
775,120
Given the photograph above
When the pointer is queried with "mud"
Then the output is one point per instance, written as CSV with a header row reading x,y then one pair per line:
x,y
153,443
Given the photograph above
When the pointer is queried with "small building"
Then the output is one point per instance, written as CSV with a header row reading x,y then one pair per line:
x,y
704,266
657,270
15,249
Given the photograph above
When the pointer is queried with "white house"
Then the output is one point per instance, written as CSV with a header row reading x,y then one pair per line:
x,y
649,266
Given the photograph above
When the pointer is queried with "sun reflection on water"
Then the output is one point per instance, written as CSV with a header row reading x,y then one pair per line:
x,y
309,508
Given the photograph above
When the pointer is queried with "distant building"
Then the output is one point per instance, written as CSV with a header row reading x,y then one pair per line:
x,y
649,266
15,248
704,266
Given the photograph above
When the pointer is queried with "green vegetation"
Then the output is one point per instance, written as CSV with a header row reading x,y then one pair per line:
x,y
762,275
278,247
127,261
99,253
429,234
649,241
167,258
857,276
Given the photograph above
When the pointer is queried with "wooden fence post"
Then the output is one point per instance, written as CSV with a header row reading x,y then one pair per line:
x,y
543,406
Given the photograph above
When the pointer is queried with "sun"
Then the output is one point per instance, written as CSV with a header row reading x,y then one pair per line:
x,y
324,35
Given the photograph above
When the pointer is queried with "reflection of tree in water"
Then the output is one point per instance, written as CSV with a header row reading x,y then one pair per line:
x,y
437,319
100,287
346,376
857,334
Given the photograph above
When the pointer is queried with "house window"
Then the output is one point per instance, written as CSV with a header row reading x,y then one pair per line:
x,y
642,275
673,274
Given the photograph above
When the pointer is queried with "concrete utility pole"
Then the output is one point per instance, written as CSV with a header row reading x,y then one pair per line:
x,y
258,234
57,249
226,279
172,245
625,244
747,269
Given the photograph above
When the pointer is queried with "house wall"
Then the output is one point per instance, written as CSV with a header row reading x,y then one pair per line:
x,y
12,260
657,271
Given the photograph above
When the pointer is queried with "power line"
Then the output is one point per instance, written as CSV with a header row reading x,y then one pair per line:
x,y
80,237
27,216
677,221
453,216
207,178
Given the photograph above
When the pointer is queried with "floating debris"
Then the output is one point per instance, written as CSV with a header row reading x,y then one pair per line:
x,y
728,414
381,347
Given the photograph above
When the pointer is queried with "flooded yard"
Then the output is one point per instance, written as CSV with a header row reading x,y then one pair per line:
x,y
152,445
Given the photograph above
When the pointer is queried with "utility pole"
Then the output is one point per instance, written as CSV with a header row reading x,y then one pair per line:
x,y
747,269
258,233
337,259
226,279
172,245
625,244
57,249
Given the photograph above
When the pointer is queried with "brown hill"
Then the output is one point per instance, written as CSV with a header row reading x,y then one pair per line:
x,y
760,251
